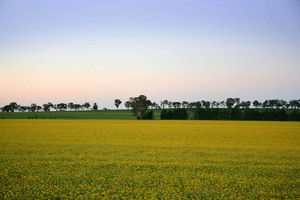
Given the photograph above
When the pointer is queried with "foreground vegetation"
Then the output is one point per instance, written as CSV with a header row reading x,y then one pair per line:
x,y
114,159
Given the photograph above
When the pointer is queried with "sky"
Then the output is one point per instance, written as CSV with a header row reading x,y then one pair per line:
x,y
180,50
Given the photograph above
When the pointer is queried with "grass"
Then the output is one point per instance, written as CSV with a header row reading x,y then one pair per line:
x,y
101,114
114,159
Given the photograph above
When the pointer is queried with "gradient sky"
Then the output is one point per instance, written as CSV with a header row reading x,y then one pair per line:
x,y
99,50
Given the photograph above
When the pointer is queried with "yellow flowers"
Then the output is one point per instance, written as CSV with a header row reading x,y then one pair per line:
x,y
115,159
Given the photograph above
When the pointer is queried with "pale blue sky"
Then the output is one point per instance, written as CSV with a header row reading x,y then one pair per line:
x,y
96,51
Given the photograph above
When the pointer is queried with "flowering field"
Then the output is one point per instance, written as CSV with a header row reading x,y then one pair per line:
x,y
107,159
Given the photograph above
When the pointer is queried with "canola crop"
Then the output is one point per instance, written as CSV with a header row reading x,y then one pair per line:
x,y
116,159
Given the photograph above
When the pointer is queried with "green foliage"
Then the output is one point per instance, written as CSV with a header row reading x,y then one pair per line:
x,y
148,116
140,105
176,114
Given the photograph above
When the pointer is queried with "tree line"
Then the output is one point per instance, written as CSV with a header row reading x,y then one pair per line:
x,y
13,107
229,109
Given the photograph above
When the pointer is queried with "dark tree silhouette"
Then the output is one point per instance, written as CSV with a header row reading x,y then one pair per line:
x,y
39,108
87,105
185,104
33,107
95,106
127,104
117,103
61,106
77,106
256,104
230,102
176,104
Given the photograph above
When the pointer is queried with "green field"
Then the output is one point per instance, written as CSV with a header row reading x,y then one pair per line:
x,y
132,159
101,114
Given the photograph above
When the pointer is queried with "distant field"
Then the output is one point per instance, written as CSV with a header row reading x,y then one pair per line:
x,y
101,114
114,159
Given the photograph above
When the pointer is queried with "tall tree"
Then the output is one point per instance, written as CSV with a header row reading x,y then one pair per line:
x,y
164,103
33,107
95,106
170,104
265,104
140,105
230,102
13,106
117,103
127,104
46,107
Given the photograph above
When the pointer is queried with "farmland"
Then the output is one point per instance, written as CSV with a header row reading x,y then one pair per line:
x,y
111,159
86,114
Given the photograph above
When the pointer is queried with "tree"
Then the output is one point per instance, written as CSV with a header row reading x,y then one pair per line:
x,y
265,104
127,104
237,101
176,104
245,104
256,104
206,104
185,104
46,107
95,106
23,108
170,104
272,103
61,106
77,106
164,103
117,103
33,107
213,104
39,108
71,106
6,108
12,107
140,105
294,104
230,102
153,105
87,105
222,104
